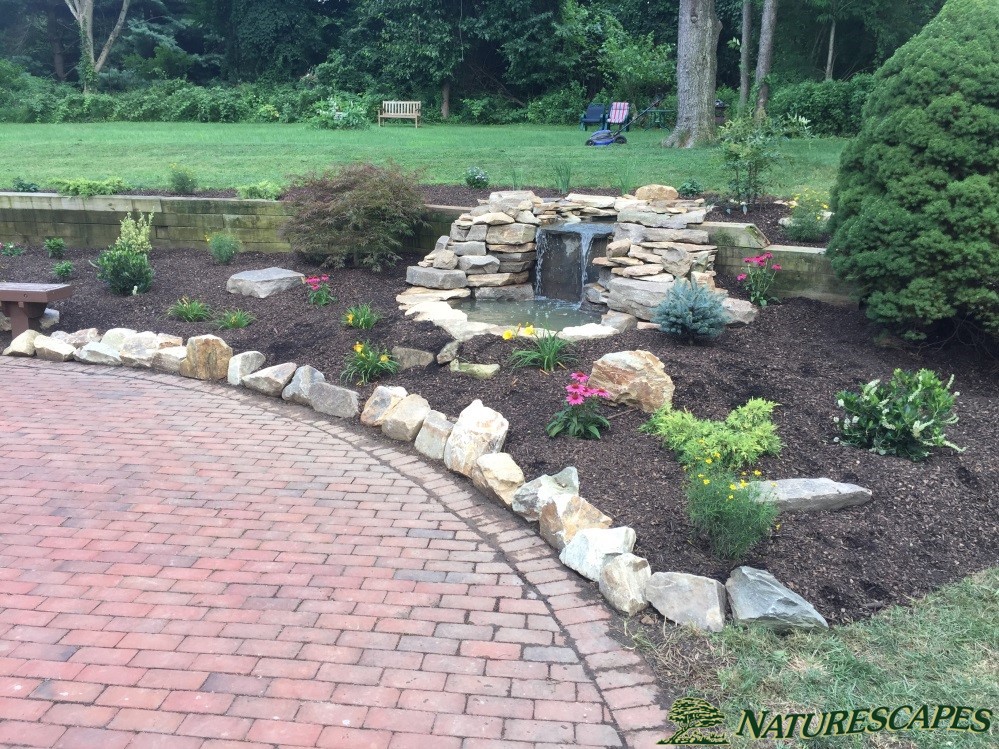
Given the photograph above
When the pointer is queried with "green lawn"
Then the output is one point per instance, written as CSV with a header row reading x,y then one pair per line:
x,y
944,650
224,155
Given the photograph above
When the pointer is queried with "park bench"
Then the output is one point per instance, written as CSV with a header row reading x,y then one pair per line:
x,y
24,303
400,110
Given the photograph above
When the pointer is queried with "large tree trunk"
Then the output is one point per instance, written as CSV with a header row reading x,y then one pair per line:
x,y
445,100
766,55
696,67
83,13
747,38
54,34
832,46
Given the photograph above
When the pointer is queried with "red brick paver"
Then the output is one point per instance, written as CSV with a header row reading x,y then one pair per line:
x,y
193,566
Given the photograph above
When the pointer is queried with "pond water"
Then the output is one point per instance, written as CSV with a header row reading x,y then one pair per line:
x,y
553,314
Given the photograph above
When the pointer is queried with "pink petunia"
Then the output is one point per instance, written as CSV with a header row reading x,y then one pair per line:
x,y
574,399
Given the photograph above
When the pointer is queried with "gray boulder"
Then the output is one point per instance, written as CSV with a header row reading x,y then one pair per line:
x,y
271,381
757,598
244,364
433,435
532,497
411,358
264,283
592,548
688,599
434,278
334,400
297,391
809,495
479,430
99,353
622,583
382,400
403,421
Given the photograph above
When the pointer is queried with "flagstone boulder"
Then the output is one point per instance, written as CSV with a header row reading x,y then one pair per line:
x,y
433,435
404,420
264,283
244,364
622,582
99,353
272,380
757,598
333,400
688,599
633,378
592,548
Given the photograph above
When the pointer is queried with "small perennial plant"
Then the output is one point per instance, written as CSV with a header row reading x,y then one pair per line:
x,y
581,416
320,293
759,278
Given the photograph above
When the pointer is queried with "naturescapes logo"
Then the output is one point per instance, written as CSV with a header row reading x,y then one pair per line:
x,y
699,722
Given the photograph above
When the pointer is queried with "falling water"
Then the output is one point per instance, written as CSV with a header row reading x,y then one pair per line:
x,y
565,255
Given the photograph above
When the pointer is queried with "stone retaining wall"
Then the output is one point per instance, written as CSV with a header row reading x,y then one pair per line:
x,y
29,218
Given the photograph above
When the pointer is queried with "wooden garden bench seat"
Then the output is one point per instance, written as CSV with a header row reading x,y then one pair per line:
x,y
24,303
400,110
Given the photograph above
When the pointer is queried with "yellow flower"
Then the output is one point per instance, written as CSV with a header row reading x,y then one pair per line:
x,y
757,473
358,347
350,317
706,481
529,330
383,358
743,474
717,455
731,496
700,475
732,487
743,484
825,207
508,334
708,461
777,527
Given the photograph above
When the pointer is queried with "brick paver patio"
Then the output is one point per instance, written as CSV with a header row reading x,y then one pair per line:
x,y
190,566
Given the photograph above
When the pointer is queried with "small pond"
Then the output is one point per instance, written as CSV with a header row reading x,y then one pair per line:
x,y
553,314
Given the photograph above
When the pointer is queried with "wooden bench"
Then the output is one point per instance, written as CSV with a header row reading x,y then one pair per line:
x,y
24,303
400,110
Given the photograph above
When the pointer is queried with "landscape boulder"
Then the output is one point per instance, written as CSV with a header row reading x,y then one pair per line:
x,y
433,435
244,364
116,337
169,359
334,400
50,349
411,358
622,582
382,400
207,358
532,497
98,353
807,495
264,283
272,380
22,345
561,519
297,391
688,599
498,476
478,371
591,549
633,378
403,421
478,430
757,598
435,278
80,338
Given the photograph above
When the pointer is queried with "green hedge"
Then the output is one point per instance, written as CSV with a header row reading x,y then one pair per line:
x,y
832,107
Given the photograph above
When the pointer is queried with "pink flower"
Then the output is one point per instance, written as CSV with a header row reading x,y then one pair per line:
x,y
574,399
741,277
775,267
601,394
767,255
580,377
576,388
749,260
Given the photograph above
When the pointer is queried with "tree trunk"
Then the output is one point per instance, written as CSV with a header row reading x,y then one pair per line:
x,y
747,38
445,99
765,57
83,13
832,46
696,68
54,34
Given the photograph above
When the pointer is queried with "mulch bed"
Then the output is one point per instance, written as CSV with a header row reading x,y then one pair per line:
x,y
930,523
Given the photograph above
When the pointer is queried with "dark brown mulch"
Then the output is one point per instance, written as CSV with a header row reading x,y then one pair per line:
x,y
930,523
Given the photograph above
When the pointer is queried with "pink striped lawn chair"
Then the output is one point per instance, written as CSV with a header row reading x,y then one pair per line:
x,y
618,113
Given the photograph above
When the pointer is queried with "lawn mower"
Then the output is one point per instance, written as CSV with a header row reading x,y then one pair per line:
x,y
610,137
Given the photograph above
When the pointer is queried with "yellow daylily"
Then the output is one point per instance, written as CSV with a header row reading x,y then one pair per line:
x,y
358,347
529,330
383,358
508,334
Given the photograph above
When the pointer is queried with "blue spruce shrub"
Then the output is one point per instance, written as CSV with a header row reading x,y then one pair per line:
x,y
691,313
916,224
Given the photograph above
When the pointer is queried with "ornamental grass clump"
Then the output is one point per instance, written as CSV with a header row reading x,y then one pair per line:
x,y
234,319
759,278
546,351
691,313
904,417
367,363
360,316
581,416
189,310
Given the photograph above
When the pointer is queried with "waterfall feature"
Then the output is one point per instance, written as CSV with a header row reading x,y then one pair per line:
x,y
565,252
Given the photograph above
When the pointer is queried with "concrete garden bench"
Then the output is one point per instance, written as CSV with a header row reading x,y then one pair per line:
x,y
24,303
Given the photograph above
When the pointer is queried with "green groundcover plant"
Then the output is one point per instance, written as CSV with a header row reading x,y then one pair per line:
x,y
917,198
905,416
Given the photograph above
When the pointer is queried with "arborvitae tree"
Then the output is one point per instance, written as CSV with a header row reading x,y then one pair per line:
x,y
916,204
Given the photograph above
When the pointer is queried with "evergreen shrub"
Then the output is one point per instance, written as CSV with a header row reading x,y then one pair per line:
x,y
691,312
916,224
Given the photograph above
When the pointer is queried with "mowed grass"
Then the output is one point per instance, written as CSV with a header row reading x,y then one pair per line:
x,y
944,650
229,155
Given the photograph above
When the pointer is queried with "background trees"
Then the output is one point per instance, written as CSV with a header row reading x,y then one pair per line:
x,y
482,59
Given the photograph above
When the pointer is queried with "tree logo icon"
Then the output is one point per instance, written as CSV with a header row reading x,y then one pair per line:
x,y
691,715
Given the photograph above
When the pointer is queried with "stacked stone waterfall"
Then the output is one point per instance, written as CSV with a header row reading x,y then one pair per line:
x,y
491,250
